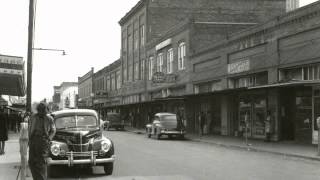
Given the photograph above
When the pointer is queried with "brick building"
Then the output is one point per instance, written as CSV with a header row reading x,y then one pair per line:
x,y
106,88
151,27
273,67
85,97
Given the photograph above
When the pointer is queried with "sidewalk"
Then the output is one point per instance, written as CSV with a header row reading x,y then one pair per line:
x,y
10,161
290,149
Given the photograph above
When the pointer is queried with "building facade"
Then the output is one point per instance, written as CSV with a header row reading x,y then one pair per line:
x,y
68,95
106,88
269,68
151,27
85,84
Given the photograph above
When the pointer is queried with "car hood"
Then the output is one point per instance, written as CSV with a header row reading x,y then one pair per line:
x,y
77,135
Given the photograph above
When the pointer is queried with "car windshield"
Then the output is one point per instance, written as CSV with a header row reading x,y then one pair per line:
x,y
169,118
75,121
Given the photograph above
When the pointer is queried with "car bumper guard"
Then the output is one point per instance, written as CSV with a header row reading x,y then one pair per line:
x,y
71,161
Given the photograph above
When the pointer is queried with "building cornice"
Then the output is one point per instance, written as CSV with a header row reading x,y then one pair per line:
x,y
133,10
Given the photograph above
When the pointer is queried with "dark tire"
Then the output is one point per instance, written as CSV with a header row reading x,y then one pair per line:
x,y
170,136
108,168
181,136
52,171
149,135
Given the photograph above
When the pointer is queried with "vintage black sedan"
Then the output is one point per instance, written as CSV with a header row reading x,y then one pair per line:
x,y
79,141
165,124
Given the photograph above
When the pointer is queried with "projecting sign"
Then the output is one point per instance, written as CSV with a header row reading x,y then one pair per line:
x,y
238,67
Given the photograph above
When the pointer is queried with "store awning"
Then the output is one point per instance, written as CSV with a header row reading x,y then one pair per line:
x,y
16,109
288,84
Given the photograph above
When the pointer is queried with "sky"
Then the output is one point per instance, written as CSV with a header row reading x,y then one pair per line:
x,y
87,30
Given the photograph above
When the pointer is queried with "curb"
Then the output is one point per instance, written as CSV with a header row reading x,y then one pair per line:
x,y
248,148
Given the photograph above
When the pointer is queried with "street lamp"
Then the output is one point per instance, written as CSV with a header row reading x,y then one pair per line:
x,y
45,49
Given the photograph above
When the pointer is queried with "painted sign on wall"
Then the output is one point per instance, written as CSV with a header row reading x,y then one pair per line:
x,y
238,67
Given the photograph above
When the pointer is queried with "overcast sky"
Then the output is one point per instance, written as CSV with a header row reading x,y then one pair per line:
x,y
87,30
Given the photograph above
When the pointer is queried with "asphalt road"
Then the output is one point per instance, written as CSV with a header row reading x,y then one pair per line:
x,y
140,158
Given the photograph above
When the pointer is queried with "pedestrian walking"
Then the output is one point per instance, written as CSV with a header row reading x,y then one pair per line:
x,y
202,120
41,131
3,131
267,125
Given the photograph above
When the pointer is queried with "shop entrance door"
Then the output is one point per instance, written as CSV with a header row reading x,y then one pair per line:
x,y
252,113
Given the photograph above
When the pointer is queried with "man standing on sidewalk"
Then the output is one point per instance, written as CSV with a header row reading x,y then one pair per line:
x,y
41,131
3,131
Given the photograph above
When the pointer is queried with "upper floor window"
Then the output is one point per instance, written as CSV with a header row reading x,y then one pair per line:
x,y
136,71
118,79
130,73
142,35
130,43
125,75
108,83
136,39
150,67
301,73
142,69
169,61
181,55
159,62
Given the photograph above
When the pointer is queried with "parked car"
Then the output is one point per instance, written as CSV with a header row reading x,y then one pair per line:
x,y
79,141
165,124
115,121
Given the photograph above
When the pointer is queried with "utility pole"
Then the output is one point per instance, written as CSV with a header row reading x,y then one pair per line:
x,y
30,54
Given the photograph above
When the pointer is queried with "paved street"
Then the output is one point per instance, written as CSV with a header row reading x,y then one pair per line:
x,y
141,158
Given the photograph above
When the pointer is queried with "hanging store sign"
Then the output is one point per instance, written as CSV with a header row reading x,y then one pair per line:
x,y
238,67
10,71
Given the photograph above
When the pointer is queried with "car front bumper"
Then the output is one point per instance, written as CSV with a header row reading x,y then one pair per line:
x,y
92,160
168,132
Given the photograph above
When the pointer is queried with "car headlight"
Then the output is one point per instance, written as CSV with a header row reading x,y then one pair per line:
x,y
105,145
55,149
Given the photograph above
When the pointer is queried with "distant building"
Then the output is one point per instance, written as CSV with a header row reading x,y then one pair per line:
x,y
85,84
68,92
292,5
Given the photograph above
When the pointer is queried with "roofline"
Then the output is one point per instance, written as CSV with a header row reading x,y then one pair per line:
x,y
133,10
11,56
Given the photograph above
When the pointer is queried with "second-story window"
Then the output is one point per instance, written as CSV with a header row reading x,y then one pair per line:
x,y
136,39
150,67
118,80
142,70
159,62
181,56
142,35
136,71
169,61
108,83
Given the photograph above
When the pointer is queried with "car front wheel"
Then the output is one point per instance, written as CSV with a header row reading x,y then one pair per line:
x,y
108,168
